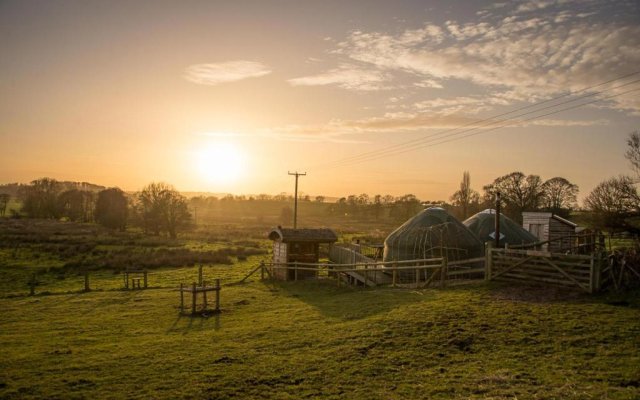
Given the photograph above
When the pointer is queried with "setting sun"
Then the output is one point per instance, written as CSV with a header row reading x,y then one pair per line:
x,y
220,163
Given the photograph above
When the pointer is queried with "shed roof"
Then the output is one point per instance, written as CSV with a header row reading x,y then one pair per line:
x,y
287,235
534,214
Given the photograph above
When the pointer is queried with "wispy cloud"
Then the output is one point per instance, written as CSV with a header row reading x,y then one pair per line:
x,y
347,77
230,71
540,49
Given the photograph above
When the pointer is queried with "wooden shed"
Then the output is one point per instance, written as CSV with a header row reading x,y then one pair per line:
x,y
298,245
547,226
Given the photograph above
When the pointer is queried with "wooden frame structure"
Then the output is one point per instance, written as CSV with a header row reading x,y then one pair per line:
x,y
135,274
203,289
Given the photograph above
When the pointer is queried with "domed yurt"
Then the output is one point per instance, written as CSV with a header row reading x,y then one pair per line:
x,y
483,225
432,233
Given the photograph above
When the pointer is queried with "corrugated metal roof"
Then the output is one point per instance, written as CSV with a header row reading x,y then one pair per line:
x,y
287,235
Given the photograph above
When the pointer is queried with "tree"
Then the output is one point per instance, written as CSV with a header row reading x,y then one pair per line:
x,y
559,196
613,202
465,196
40,199
286,216
112,209
163,209
77,205
4,200
518,191
320,199
633,151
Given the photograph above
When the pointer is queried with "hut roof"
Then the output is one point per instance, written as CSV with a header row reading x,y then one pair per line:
x,y
483,225
536,214
431,233
288,235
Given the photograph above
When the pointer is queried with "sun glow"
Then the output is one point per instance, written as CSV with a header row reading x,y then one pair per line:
x,y
220,163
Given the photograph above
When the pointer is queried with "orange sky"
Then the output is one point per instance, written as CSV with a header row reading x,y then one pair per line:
x,y
125,93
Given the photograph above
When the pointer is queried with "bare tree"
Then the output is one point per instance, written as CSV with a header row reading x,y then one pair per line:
x,y
633,151
465,196
40,198
4,200
559,196
613,202
519,193
163,209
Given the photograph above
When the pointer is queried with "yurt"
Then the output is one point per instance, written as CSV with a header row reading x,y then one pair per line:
x,y
432,233
483,225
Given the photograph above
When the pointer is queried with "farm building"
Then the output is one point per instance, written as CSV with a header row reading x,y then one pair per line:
x,y
483,225
432,233
547,226
298,245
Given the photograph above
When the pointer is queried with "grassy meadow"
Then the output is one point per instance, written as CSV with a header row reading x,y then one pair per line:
x,y
291,340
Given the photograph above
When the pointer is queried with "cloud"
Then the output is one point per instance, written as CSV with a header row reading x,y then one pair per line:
x,y
539,51
230,71
347,77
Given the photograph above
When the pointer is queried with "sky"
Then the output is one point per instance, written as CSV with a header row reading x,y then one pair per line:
x,y
377,97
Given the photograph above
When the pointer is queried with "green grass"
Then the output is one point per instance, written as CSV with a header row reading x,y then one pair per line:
x,y
296,339
313,339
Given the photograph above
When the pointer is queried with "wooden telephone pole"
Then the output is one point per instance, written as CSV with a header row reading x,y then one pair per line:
x,y
295,204
497,228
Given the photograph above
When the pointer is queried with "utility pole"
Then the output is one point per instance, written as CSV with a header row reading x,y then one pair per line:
x,y
295,204
497,231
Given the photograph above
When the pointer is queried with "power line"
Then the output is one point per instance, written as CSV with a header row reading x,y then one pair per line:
x,y
451,139
375,154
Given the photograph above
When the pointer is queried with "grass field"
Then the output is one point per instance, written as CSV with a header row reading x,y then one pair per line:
x,y
299,339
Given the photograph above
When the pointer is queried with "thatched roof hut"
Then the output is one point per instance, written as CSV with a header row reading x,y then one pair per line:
x,y
483,225
432,233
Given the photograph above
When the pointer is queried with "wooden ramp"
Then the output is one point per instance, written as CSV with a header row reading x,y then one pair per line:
x,y
373,278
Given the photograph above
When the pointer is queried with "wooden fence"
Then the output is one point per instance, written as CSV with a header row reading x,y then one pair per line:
x,y
569,270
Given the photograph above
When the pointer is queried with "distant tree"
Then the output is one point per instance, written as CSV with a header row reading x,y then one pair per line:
x,y
40,199
559,196
4,200
320,199
465,197
77,205
613,203
163,209
518,191
633,151
286,216
111,209
405,207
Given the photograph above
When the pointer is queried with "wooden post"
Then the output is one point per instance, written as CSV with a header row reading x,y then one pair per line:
x,y
86,281
366,274
217,294
182,297
193,298
126,279
395,274
261,270
295,271
443,272
200,275
32,285
497,222
488,261
204,295
417,272
145,279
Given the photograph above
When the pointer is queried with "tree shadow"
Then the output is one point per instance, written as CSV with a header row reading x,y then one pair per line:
x,y
347,302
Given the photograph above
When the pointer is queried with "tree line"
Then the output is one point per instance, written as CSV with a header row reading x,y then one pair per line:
x,y
158,208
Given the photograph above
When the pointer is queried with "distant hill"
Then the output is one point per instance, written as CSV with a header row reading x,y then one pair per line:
x,y
14,189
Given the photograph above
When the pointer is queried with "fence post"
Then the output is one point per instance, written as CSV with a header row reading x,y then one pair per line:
x,y
395,274
32,285
295,271
126,279
200,275
86,281
182,297
488,261
443,272
204,295
417,272
217,294
261,270
193,298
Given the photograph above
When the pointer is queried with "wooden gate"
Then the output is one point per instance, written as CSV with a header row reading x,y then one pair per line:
x,y
569,270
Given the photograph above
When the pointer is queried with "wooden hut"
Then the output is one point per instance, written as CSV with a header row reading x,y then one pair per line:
x,y
298,245
547,226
